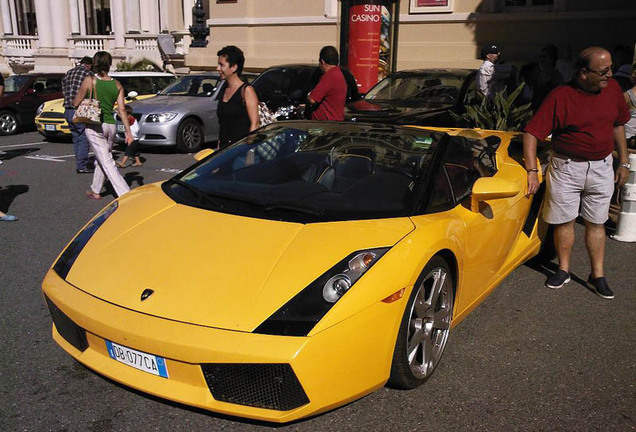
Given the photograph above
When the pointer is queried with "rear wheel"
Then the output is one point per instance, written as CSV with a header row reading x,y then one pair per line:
x,y
189,136
9,124
424,328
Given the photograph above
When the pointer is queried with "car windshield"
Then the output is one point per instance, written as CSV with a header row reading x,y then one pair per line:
x,y
192,85
289,84
312,171
144,85
15,83
431,87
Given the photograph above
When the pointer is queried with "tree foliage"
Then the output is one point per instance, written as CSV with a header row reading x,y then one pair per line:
x,y
142,65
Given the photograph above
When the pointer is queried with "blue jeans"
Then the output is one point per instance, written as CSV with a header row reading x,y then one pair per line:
x,y
80,142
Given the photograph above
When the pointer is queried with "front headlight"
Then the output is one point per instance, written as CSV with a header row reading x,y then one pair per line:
x,y
161,117
39,110
70,254
299,315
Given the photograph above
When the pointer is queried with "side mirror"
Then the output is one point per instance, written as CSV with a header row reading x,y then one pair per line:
x,y
489,188
132,94
202,154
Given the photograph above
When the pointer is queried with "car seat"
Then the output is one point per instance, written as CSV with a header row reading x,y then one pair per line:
x,y
344,171
38,87
207,88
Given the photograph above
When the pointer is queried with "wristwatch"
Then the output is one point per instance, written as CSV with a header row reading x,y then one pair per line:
x,y
625,165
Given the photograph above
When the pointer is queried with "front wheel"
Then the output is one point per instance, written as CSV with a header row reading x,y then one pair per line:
x,y
189,136
9,123
424,328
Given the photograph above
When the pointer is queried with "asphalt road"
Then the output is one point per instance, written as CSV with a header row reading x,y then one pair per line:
x,y
527,359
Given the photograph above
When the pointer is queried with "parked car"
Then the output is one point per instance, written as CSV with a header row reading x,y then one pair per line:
x,y
23,94
182,115
138,85
422,97
284,88
297,270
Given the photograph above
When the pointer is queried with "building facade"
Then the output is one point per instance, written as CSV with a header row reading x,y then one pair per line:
x,y
50,35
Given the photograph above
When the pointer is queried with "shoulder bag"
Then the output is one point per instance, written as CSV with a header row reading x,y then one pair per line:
x,y
88,111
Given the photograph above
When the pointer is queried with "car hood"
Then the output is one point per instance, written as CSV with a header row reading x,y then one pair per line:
x,y
210,268
161,103
363,109
55,105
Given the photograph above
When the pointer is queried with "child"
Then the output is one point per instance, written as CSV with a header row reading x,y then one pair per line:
x,y
131,150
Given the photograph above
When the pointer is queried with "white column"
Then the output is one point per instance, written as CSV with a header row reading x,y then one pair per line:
x,y
163,16
187,13
118,23
5,10
146,18
132,16
14,19
59,23
43,17
82,17
74,13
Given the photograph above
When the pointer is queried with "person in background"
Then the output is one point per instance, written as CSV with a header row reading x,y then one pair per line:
x,y
331,91
70,86
548,76
487,81
630,98
101,136
132,149
238,103
585,119
623,56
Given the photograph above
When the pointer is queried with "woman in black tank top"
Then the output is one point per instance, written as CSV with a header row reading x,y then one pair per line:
x,y
238,103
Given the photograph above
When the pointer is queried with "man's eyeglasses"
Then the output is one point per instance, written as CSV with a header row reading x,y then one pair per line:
x,y
602,73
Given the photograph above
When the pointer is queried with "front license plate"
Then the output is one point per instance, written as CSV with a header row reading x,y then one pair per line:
x,y
143,361
49,127
121,128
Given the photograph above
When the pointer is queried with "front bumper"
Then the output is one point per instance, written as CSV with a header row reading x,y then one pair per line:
x,y
52,127
333,367
154,134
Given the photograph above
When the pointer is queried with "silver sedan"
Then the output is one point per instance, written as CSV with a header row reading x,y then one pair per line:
x,y
181,115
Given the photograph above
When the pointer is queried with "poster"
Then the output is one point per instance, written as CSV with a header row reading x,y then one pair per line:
x,y
431,6
369,43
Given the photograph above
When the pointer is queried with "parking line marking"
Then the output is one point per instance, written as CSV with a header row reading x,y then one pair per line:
x,y
23,145
45,157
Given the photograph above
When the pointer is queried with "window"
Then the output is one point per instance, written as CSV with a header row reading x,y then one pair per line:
x,y
98,17
25,17
524,5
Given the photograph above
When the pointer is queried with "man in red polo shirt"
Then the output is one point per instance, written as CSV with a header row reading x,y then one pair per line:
x,y
585,118
331,90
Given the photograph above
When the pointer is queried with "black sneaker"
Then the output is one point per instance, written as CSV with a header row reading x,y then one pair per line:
x,y
558,279
600,287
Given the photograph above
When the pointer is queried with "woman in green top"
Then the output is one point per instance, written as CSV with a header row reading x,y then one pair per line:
x,y
108,91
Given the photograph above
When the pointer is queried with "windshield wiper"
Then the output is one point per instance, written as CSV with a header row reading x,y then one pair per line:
x,y
198,192
289,207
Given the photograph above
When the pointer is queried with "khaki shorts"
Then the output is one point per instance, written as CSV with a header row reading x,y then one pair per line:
x,y
578,188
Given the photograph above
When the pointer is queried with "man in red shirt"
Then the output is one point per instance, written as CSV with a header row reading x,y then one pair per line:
x,y
585,118
331,90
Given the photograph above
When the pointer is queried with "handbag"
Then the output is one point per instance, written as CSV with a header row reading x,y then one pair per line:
x,y
88,111
265,115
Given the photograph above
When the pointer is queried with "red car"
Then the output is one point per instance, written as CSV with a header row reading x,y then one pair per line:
x,y
23,94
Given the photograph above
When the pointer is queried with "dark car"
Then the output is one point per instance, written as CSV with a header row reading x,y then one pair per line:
x,y
23,94
422,97
284,88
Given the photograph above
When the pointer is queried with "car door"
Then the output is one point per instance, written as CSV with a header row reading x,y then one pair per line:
x,y
490,233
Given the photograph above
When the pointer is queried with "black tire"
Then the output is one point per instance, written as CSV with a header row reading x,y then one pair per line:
x,y
190,136
9,124
425,327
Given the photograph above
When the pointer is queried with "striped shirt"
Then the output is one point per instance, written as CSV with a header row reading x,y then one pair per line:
x,y
72,82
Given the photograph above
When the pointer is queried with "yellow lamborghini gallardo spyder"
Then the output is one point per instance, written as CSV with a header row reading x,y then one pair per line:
x,y
299,269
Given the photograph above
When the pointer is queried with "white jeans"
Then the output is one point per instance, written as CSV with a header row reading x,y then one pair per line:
x,y
101,140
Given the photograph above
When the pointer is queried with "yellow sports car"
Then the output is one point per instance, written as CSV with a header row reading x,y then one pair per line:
x,y
138,85
298,269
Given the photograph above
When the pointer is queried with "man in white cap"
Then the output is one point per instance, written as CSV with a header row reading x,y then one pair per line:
x,y
488,81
